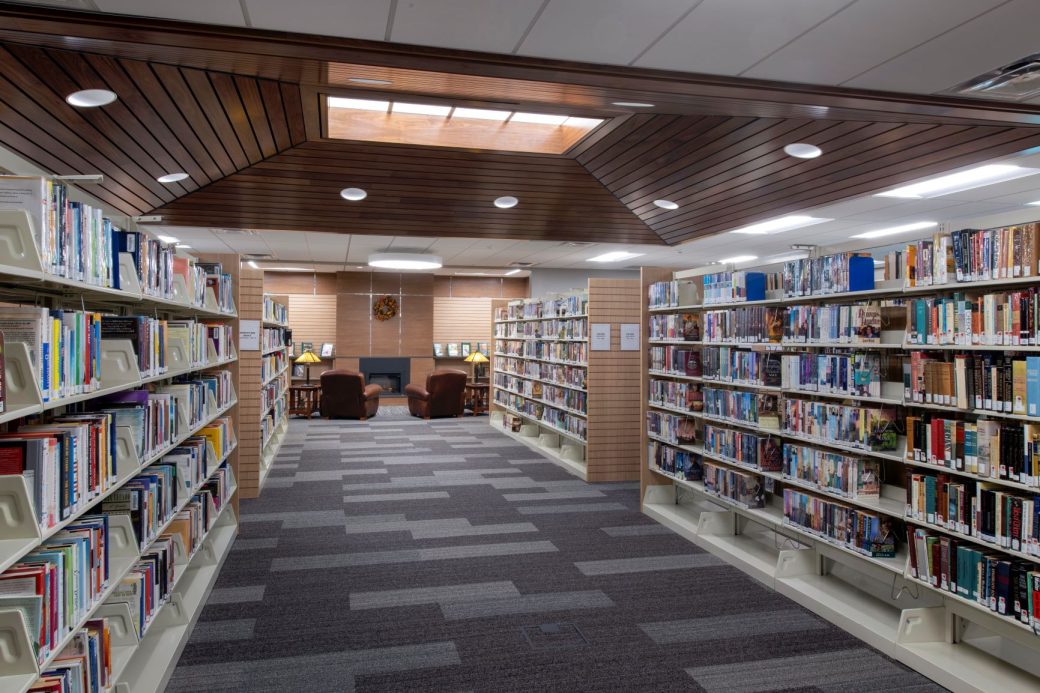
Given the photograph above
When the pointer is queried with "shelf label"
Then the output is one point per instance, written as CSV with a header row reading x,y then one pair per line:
x,y
249,335
599,336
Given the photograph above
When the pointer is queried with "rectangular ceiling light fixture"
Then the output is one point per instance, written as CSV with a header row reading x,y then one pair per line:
x,y
615,256
958,182
892,230
780,224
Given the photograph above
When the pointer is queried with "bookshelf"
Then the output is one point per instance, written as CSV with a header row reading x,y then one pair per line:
x,y
192,377
275,376
733,466
573,404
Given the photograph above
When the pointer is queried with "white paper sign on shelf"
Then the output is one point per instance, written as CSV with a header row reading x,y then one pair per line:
x,y
599,336
249,335
630,336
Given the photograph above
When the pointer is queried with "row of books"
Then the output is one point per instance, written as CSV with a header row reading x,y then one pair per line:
x,y
990,449
990,513
870,428
1010,318
735,287
677,360
269,393
681,463
971,255
731,365
832,472
831,274
684,326
84,665
272,338
739,405
148,335
272,364
556,418
274,311
680,395
219,282
555,307
573,328
678,430
221,337
570,353
856,374
860,530
763,452
573,376
983,382
674,293
559,396
745,325
1006,586
736,486
846,324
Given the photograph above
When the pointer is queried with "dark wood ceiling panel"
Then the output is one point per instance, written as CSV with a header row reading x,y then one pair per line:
x,y
414,191
167,119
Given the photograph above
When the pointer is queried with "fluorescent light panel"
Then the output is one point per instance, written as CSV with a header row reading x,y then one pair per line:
x,y
510,273
780,224
893,230
615,256
958,182
738,258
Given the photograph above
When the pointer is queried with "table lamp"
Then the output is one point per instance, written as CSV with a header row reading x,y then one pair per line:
x,y
307,358
475,358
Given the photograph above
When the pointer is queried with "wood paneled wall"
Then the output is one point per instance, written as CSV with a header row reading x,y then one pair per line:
x,y
462,309
615,426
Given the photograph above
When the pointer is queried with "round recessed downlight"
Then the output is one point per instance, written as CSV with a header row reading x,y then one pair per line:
x,y
404,261
666,204
353,194
369,80
91,98
506,202
172,177
632,104
803,150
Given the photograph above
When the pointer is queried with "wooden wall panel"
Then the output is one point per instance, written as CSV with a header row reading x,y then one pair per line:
x,y
615,426
481,287
409,333
310,318
353,332
309,283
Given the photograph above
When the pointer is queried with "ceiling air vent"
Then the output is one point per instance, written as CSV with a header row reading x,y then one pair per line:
x,y
521,264
1015,81
258,256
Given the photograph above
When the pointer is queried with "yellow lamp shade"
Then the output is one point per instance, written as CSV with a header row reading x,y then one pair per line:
x,y
308,357
476,357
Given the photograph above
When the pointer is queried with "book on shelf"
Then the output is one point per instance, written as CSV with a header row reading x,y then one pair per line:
x,y
1009,318
743,488
682,463
148,336
738,286
834,472
971,255
453,350
984,382
84,664
839,273
860,530
869,428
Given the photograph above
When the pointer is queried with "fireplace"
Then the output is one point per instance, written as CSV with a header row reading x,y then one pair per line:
x,y
392,374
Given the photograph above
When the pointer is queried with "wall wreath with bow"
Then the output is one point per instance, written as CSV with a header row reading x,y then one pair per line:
x,y
385,308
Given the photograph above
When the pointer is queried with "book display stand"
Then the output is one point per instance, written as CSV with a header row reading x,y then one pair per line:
x,y
795,528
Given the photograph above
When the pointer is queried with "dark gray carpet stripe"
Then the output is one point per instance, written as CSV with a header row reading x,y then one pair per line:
x,y
400,555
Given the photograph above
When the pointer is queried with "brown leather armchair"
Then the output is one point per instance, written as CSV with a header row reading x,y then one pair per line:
x,y
344,395
444,394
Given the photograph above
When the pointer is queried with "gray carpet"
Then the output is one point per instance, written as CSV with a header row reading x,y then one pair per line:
x,y
403,555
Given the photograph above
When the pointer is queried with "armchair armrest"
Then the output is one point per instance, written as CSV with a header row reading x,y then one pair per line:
x,y
372,390
416,391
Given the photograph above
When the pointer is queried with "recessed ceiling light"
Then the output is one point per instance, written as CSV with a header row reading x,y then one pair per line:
x,y
632,104
358,104
737,258
582,122
253,264
1034,204
172,177
512,272
168,239
91,98
405,261
542,118
369,80
780,224
480,113
183,245
353,194
615,256
892,230
666,204
802,150
506,202
957,182
420,109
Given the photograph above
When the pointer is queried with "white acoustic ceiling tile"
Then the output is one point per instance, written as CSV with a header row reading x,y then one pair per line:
x,y
864,35
988,42
478,25
204,11
365,19
600,31
726,37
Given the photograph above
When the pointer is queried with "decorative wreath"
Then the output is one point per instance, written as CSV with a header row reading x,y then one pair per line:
x,y
385,308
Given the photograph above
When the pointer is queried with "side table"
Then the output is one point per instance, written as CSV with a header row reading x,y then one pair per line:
x,y
303,400
477,397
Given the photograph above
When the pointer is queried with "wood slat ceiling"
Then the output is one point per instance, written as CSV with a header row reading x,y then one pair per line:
x,y
167,119
414,191
726,172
